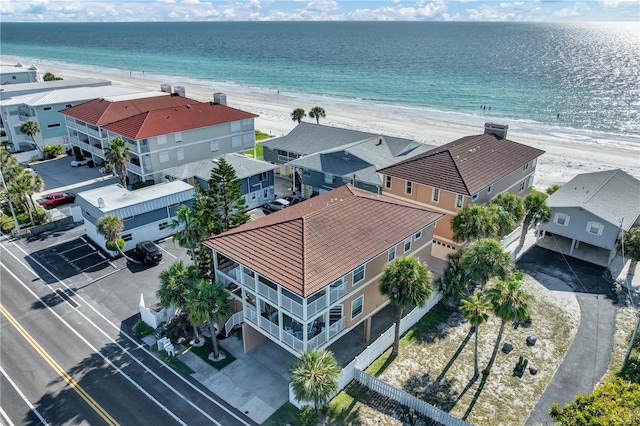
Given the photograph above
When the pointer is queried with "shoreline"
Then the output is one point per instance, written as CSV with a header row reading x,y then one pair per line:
x,y
568,151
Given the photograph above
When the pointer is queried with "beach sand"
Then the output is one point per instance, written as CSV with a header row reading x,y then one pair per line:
x,y
568,151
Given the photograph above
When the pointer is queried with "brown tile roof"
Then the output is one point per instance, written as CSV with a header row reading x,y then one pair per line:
x,y
176,119
309,245
465,166
100,111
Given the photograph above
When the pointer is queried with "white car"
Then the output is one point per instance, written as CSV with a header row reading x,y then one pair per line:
x,y
278,204
78,163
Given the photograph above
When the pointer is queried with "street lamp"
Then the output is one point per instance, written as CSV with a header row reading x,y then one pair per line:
x,y
13,213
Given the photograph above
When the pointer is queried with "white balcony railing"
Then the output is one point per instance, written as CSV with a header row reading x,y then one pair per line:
x,y
249,282
292,341
135,169
336,327
268,292
95,133
336,293
316,305
317,341
251,314
292,306
269,327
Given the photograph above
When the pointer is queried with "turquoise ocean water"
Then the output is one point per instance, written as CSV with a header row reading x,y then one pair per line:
x,y
589,74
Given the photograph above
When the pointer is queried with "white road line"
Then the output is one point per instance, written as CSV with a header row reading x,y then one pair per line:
x,y
82,257
24,398
94,349
166,252
132,340
6,417
114,266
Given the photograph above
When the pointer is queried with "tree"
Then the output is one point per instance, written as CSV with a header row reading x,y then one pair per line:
x,y
31,128
511,204
552,189
189,227
298,114
486,259
454,283
536,210
317,113
406,282
7,163
117,154
314,377
509,302
476,310
224,207
473,222
110,226
631,246
20,189
501,219
208,301
50,77
614,402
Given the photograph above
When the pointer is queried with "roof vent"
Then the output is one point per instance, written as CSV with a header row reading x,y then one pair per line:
x,y
188,106
499,130
379,142
166,88
100,203
220,98
179,90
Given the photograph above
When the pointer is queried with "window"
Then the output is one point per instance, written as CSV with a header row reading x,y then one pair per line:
x,y
265,194
180,153
53,125
525,167
262,176
163,225
407,244
253,196
46,109
127,237
68,106
213,145
522,186
236,141
595,228
474,197
358,274
162,139
418,235
408,188
489,189
387,183
436,195
356,306
459,201
392,254
236,126
561,219
178,137
164,157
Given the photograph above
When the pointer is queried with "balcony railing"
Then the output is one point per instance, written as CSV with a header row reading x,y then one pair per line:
x,y
317,341
268,292
336,327
249,281
336,293
133,168
134,148
292,341
292,306
251,314
95,133
269,327
316,305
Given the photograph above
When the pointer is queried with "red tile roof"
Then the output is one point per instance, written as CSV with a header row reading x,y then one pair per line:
x,y
465,166
176,119
307,246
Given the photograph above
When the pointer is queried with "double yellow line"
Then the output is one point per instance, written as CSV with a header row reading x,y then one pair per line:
x,y
65,376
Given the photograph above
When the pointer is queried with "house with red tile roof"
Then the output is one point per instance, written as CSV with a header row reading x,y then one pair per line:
x,y
473,169
162,130
306,275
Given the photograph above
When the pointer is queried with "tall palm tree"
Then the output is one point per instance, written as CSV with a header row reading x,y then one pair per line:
x,y
631,245
31,128
117,154
317,113
298,114
473,222
536,210
110,227
189,227
476,310
502,220
454,283
485,259
509,302
19,190
511,204
314,377
7,163
36,184
406,282
208,301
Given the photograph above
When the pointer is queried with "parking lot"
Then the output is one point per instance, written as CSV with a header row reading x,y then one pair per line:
x,y
60,176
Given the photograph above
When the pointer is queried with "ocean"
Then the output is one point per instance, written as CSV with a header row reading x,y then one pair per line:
x,y
583,77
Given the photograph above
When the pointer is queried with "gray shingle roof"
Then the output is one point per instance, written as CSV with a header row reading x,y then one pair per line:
x,y
244,167
612,195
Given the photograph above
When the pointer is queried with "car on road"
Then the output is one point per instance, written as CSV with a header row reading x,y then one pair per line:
x,y
78,163
149,252
56,199
278,204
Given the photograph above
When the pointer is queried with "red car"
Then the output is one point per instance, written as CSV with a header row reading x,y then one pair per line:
x,y
57,198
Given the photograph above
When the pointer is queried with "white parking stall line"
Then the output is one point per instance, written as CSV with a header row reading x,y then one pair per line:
x,y
72,248
82,257
101,255
82,238
166,252
24,398
92,247
93,266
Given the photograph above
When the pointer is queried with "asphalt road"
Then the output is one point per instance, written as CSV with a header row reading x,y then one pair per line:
x,y
74,366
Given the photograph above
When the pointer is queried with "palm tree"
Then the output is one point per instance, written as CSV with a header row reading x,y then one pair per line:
x,y
473,222
509,302
406,282
511,204
454,283
553,188
476,310
31,128
502,220
317,113
19,190
536,210
190,230
298,114
117,154
7,163
631,246
208,301
110,227
36,184
314,377
485,259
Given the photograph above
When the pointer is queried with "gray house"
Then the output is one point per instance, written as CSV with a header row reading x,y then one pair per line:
x,y
256,176
590,213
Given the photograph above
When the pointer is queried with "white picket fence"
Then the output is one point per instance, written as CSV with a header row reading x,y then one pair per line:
x,y
408,400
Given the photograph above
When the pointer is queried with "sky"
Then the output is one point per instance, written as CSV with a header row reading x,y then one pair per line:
x,y
318,10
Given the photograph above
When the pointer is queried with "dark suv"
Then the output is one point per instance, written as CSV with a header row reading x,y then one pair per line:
x,y
149,252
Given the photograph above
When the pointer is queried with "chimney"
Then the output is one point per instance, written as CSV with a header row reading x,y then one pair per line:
x,y
220,98
166,88
500,130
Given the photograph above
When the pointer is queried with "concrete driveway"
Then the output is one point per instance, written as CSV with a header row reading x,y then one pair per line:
x,y
589,354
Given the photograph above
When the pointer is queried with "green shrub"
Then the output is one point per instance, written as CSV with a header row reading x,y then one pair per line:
x,y
112,247
40,216
6,223
309,416
23,218
52,151
138,185
142,329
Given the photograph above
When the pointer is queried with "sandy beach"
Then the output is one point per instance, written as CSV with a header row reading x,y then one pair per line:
x,y
568,151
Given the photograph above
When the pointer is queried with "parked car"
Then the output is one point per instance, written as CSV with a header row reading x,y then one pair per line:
x,y
57,198
78,163
149,252
278,204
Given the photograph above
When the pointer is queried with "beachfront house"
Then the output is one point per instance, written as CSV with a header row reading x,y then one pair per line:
x,y
472,169
257,177
590,213
18,73
305,276
163,130
146,212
